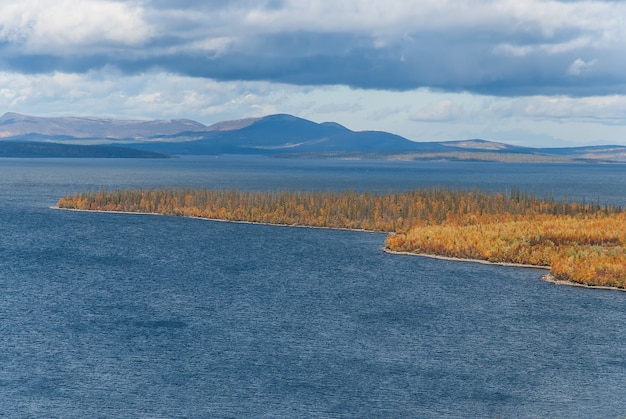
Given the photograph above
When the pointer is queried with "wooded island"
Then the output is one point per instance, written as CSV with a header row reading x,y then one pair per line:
x,y
581,242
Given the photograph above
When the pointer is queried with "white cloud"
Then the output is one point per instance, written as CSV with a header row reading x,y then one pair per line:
x,y
604,110
325,60
145,96
392,20
402,16
419,114
511,50
580,66
45,26
396,44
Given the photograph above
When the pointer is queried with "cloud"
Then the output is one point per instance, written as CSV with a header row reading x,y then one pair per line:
x,y
553,70
608,110
421,114
600,110
67,27
109,93
442,111
579,66
505,48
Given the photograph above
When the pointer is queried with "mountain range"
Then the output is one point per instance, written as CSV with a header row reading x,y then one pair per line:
x,y
278,135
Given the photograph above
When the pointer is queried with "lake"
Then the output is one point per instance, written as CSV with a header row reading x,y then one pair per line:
x,y
127,315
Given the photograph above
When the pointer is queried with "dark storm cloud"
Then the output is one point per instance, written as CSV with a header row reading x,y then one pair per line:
x,y
501,54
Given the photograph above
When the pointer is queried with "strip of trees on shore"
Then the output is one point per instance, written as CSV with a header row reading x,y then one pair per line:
x,y
583,242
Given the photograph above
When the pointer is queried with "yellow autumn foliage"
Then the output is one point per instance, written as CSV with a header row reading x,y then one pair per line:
x,y
580,242
589,249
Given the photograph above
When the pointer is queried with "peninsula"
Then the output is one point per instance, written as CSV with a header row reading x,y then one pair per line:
x,y
582,243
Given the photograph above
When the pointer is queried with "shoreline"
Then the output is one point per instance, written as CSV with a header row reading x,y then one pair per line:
x,y
547,277
454,259
551,279
221,220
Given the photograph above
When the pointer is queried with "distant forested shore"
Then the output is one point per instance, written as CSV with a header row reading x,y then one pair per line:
x,y
581,242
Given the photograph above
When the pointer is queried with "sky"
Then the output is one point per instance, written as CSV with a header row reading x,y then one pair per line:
x,y
525,72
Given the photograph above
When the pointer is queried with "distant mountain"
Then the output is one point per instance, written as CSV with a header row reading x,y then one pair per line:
x,y
232,125
599,152
289,136
278,135
13,125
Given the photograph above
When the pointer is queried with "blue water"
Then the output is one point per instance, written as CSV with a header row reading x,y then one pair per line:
x,y
122,315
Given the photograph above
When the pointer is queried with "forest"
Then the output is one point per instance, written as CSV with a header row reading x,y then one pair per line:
x,y
582,242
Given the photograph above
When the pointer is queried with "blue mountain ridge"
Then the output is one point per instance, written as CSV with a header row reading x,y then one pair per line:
x,y
276,135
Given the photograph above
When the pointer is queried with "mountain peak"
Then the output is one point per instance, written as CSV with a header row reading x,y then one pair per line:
x,y
334,125
281,117
232,124
14,124
11,116
275,134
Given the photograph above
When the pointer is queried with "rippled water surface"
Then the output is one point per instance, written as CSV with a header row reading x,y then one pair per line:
x,y
117,315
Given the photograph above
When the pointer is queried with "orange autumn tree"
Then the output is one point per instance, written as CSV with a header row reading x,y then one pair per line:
x,y
582,242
